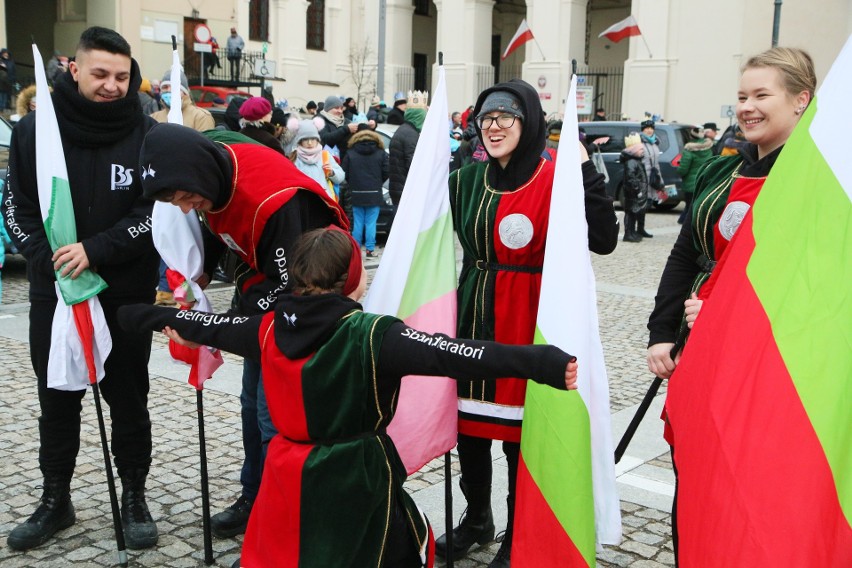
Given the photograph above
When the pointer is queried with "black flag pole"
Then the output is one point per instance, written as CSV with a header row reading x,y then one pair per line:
x,y
448,470
448,506
205,487
113,495
645,404
202,453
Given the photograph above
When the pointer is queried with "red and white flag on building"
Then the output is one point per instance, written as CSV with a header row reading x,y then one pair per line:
x,y
522,36
628,27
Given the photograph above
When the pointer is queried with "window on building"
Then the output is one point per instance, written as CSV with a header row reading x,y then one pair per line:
x,y
259,20
316,25
421,7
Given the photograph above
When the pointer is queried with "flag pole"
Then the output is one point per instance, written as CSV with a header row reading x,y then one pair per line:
x,y
448,507
205,487
650,55
113,496
175,116
448,470
645,404
543,58
83,323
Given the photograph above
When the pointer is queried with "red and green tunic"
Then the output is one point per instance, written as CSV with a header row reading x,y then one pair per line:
x,y
328,456
725,190
502,234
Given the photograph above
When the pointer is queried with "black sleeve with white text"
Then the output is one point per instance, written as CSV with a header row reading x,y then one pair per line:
x,y
406,351
232,333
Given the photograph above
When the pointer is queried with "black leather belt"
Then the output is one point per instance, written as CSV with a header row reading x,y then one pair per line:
x,y
493,266
332,441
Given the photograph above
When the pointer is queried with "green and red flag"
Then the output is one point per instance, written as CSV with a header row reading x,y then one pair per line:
x,y
761,402
566,495
76,359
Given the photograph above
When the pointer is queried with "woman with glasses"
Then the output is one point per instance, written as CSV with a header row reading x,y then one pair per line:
x,y
500,211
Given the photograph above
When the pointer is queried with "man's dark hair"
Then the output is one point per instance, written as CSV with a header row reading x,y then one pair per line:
x,y
103,39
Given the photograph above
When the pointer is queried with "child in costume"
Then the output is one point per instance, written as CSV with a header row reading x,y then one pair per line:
x,y
332,490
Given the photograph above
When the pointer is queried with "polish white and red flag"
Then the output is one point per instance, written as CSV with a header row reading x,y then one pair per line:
x,y
628,27
522,36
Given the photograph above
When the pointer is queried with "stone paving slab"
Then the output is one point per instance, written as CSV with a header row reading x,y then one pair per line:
x,y
627,281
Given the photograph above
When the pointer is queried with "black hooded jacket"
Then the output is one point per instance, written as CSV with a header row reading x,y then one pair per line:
x,y
366,167
526,155
101,142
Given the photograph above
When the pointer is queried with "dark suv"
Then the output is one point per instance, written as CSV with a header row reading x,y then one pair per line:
x,y
672,139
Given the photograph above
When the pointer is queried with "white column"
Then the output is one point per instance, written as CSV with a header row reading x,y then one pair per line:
x,y
399,74
464,35
648,69
561,35
288,17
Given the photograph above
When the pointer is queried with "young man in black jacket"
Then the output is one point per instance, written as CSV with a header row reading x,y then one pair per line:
x,y
102,128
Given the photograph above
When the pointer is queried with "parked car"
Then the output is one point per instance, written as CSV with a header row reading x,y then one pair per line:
x,y
203,96
672,137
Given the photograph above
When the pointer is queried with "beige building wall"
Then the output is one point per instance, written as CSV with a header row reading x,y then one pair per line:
x,y
684,67
699,47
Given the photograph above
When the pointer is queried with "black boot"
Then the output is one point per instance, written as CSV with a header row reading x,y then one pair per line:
x,y
233,520
139,528
630,235
501,560
54,513
640,220
476,526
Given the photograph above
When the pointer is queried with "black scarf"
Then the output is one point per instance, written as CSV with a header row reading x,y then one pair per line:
x,y
526,156
92,124
753,166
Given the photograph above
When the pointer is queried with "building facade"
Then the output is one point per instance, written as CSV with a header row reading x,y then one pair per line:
x,y
684,67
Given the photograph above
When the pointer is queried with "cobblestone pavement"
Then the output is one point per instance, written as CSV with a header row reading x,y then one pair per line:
x,y
626,279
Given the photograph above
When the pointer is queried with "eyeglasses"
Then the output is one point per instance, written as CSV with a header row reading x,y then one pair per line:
x,y
503,121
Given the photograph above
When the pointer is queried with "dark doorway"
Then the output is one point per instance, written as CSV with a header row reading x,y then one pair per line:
x,y
421,69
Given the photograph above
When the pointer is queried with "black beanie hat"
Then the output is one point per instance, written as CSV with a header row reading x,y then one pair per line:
x,y
175,157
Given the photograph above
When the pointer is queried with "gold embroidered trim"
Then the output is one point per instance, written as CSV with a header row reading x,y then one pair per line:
x,y
390,500
373,373
702,233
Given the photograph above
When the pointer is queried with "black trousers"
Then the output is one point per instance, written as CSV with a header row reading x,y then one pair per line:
x,y
234,64
124,388
475,461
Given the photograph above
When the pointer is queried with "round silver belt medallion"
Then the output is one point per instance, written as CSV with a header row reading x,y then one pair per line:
x,y
732,216
516,231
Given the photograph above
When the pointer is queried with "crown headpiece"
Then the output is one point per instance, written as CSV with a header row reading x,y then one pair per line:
x,y
632,139
418,99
